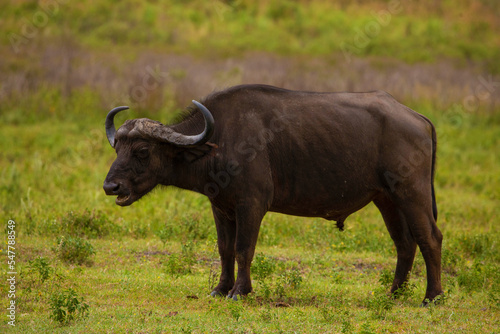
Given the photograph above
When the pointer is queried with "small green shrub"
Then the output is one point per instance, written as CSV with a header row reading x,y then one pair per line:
x,y
90,224
175,266
287,280
188,252
170,231
74,250
386,278
472,279
280,287
181,264
140,232
263,267
450,262
481,246
188,228
380,303
293,278
42,267
213,277
494,295
66,306
405,291
164,235
431,304
265,290
196,228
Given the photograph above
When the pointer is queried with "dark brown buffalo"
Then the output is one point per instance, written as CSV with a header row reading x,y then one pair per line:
x,y
254,148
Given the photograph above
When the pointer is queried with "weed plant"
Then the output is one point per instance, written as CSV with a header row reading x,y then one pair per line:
x,y
74,250
67,306
41,267
88,224
181,264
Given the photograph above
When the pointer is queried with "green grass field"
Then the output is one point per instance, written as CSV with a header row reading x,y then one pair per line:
x,y
85,265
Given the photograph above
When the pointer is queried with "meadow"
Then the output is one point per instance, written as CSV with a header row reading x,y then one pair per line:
x,y
85,265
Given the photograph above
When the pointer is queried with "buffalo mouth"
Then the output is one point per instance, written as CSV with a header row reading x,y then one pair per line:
x,y
128,199
125,200
125,195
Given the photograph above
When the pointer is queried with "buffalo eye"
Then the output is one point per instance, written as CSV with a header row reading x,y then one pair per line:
x,y
143,153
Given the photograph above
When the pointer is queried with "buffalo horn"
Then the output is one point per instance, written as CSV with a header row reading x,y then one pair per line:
x,y
110,124
203,137
181,140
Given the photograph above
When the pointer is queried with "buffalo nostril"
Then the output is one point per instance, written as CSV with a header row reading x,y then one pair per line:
x,y
111,188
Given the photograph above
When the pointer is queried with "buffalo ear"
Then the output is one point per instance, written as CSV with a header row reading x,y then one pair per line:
x,y
198,152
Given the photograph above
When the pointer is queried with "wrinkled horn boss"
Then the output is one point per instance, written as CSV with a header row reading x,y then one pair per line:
x,y
161,132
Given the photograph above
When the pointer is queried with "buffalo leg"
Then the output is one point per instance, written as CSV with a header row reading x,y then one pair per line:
x,y
248,220
402,237
429,239
226,236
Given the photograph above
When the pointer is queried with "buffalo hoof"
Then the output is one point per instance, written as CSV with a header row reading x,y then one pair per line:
x,y
222,289
234,297
216,294
439,299
237,294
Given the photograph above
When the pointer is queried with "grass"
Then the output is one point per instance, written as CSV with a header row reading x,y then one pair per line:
x,y
155,262
339,290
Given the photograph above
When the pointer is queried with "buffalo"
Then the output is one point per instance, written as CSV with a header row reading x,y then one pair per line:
x,y
256,148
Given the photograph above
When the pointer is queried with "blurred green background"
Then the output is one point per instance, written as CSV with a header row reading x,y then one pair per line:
x,y
69,60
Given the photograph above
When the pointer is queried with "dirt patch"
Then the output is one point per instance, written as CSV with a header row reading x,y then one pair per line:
x,y
139,255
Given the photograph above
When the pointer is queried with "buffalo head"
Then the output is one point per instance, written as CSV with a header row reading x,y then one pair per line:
x,y
146,151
